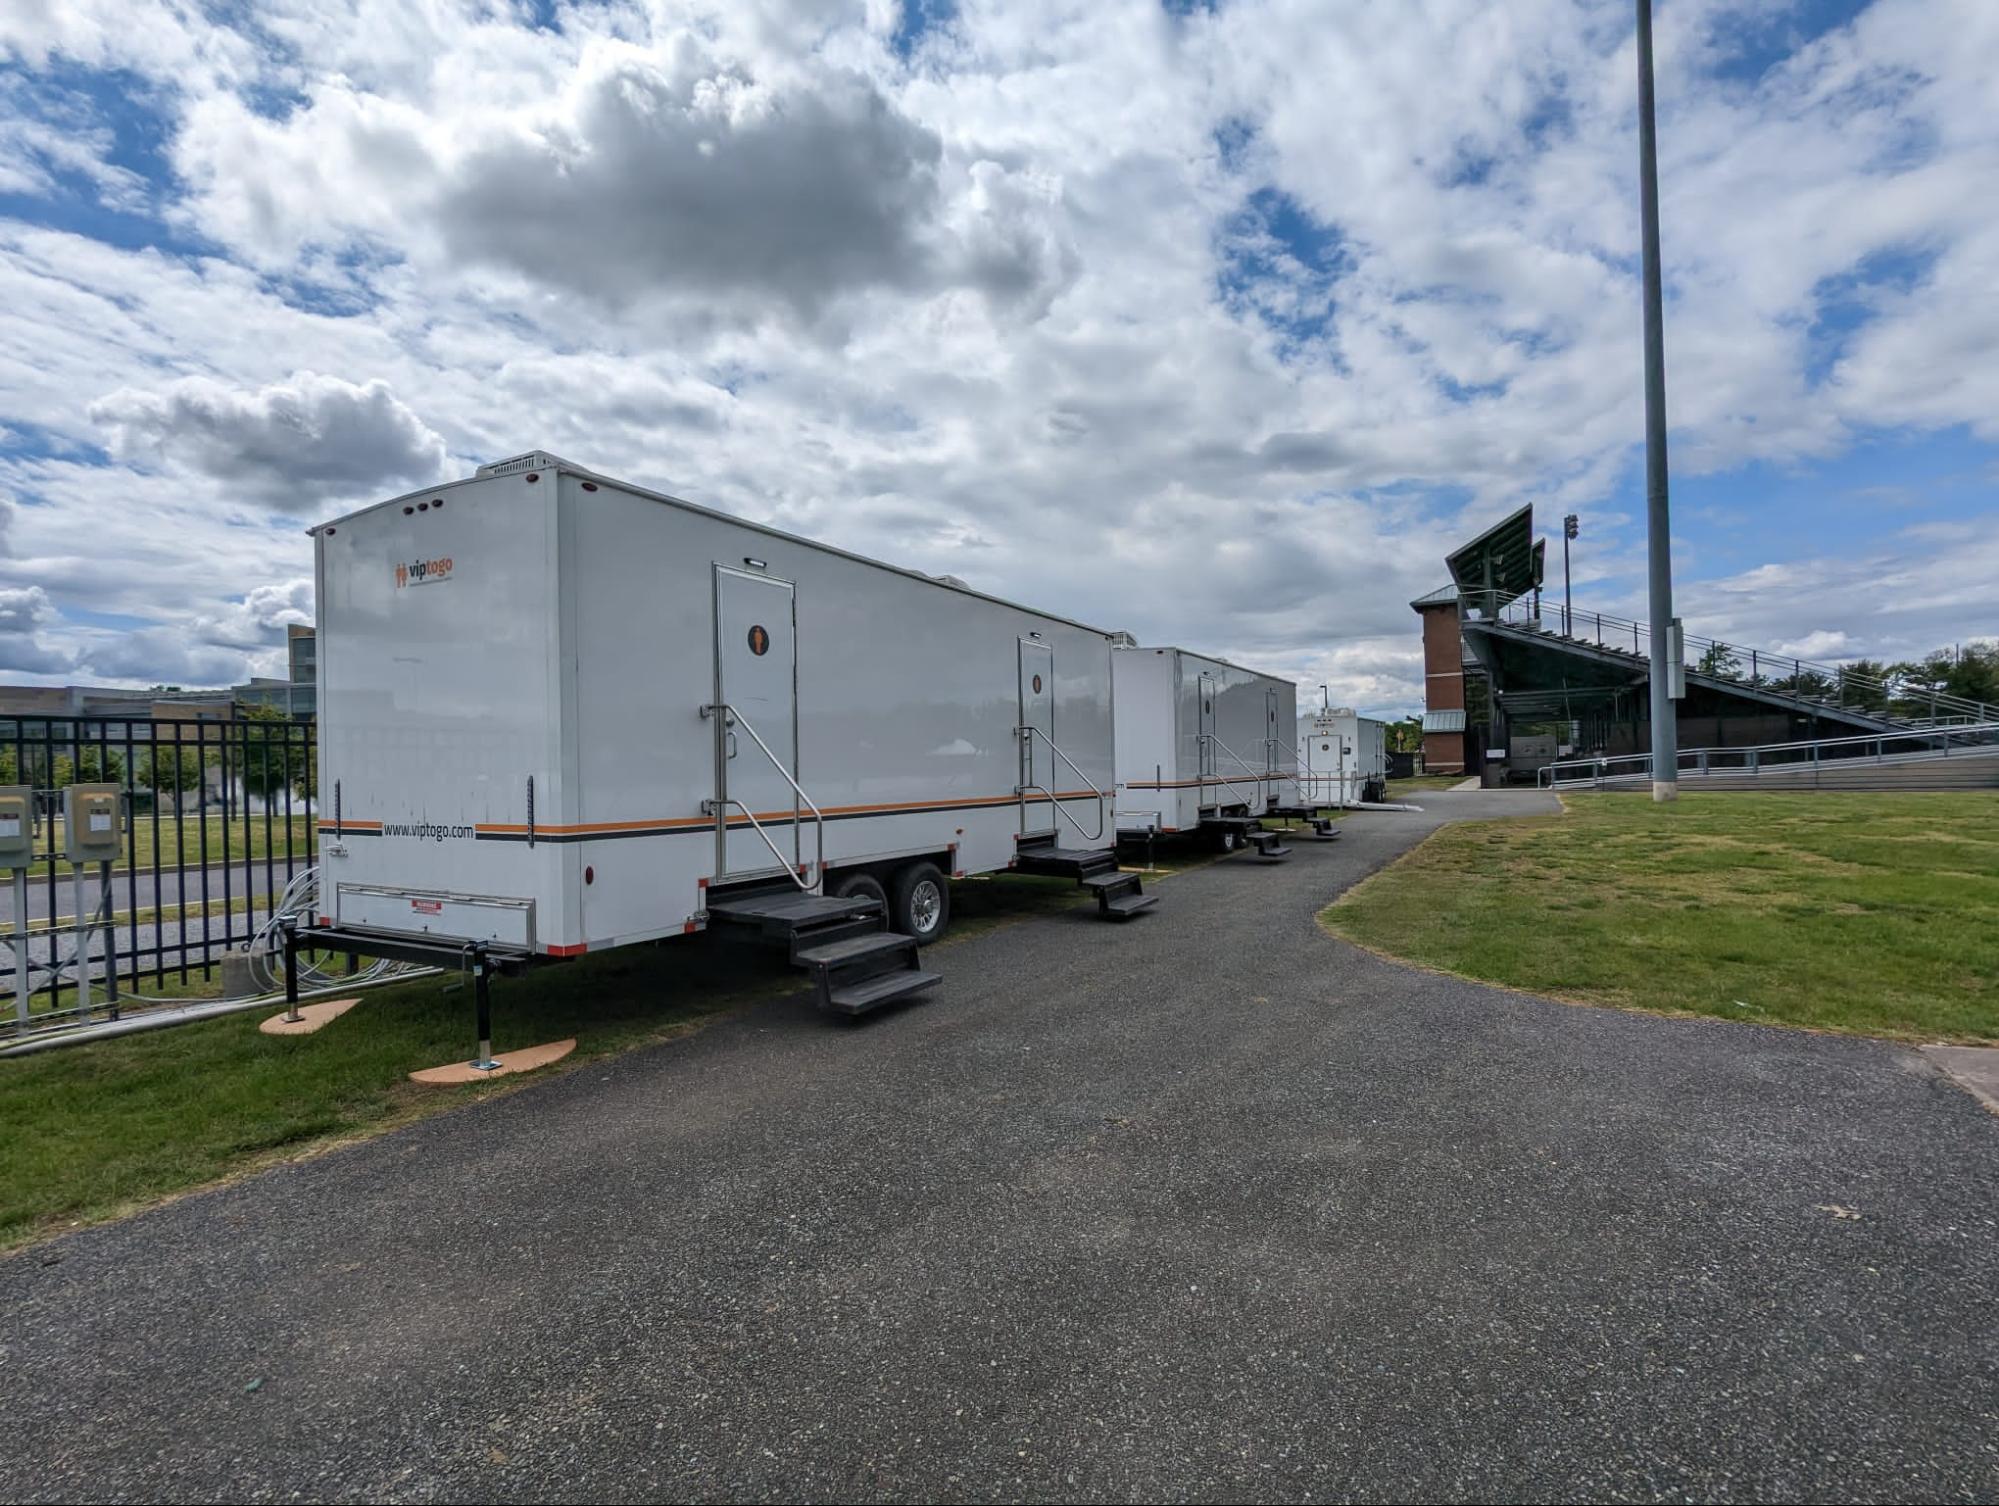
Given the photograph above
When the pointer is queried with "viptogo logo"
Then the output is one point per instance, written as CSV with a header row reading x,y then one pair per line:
x,y
422,572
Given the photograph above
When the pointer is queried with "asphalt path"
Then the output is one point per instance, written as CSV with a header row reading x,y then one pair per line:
x,y
1207,1205
141,891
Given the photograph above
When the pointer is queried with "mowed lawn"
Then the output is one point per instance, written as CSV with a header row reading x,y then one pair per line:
x,y
96,1130
1875,913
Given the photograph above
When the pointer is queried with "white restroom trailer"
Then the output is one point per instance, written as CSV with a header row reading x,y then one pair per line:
x,y
1202,744
1344,757
561,713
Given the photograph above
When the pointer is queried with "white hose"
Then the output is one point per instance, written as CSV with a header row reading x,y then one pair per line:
x,y
300,901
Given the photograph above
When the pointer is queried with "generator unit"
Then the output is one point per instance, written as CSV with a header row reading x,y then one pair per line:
x,y
1203,745
560,712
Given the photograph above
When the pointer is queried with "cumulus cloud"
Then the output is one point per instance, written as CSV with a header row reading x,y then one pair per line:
x,y
24,612
292,446
1218,324
258,621
694,179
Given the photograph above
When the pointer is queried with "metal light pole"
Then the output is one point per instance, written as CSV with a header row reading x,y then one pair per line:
x,y
1659,544
1570,528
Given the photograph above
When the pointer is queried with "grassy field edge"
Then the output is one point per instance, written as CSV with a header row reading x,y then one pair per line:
x,y
1859,914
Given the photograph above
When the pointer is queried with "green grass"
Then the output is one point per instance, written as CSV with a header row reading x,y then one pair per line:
x,y
98,1130
180,839
1877,914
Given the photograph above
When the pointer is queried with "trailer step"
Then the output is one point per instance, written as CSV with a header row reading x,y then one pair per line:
x,y
780,912
872,993
1121,906
821,934
1064,862
1114,879
1269,844
853,949
1093,868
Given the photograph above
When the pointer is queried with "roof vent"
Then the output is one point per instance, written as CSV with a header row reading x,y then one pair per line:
x,y
534,460
1123,640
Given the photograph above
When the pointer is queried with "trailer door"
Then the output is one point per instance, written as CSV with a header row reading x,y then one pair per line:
x,y
1206,750
1037,756
756,677
1270,762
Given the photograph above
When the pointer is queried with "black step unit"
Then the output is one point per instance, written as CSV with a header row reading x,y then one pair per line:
x,y
872,993
1065,862
1269,844
1119,895
856,962
779,912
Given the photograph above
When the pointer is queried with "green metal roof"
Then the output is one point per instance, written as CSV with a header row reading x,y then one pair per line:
x,y
1501,563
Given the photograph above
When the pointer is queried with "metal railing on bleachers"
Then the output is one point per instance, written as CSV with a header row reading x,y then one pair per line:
x,y
1843,762
1895,698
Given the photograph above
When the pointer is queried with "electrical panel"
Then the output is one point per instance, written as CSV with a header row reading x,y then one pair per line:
x,y
17,828
90,825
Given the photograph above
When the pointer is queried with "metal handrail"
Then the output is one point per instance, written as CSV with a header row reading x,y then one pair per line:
x,y
1229,784
790,870
1703,761
731,716
1033,732
1807,680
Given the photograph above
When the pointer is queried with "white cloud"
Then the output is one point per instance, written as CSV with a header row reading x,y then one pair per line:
x,y
293,446
1039,308
24,612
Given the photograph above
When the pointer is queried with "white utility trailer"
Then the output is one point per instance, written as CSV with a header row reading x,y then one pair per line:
x,y
1203,746
1344,757
560,713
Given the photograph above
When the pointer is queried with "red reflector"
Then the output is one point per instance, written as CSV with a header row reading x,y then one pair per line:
x,y
589,486
437,501
408,510
533,476
329,533
589,875
423,507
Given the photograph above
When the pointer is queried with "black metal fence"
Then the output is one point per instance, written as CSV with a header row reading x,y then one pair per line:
x,y
217,818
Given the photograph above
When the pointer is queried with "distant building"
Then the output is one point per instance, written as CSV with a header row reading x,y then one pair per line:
x,y
1447,667
297,695
64,704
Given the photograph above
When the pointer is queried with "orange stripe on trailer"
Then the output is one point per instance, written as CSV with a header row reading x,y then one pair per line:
x,y
573,950
682,823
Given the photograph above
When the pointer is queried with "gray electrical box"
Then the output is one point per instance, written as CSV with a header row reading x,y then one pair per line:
x,y
90,825
17,826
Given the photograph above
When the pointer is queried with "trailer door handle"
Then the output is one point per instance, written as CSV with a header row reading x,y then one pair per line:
x,y
732,743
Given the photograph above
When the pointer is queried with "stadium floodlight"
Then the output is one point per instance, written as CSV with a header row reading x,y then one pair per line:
x,y
1570,528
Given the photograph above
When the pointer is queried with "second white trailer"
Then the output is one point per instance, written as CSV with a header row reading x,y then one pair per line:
x,y
1202,744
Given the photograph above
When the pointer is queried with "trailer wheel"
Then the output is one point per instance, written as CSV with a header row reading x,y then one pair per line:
x,y
861,886
922,905
1227,839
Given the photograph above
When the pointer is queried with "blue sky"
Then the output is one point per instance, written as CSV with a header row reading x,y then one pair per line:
x,y
1220,322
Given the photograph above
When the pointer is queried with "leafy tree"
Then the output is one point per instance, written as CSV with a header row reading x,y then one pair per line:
x,y
166,771
1722,661
268,753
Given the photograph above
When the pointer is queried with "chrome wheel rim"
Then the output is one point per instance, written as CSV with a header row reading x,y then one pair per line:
x,y
926,904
